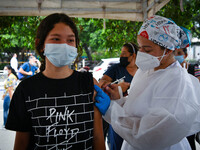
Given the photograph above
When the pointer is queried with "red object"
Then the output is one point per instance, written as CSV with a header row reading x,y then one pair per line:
x,y
98,69
144,34
188,45
86,68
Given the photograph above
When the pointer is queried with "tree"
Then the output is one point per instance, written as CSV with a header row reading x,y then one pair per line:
x,y
106,42
100,38
17,34
188,18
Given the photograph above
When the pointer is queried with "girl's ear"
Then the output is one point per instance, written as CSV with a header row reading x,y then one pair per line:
x,y
133,56
42,50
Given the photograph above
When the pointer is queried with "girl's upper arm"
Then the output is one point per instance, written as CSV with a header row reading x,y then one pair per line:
x,y
95,83
99,143
22,140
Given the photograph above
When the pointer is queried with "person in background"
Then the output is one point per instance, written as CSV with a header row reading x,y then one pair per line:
x,y
29,68
54,109
193,69
181,55
9,86
126,68
162,106
14,62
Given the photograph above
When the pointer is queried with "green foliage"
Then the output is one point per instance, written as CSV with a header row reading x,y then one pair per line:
x,y
189,18
17,33
106,42
99,38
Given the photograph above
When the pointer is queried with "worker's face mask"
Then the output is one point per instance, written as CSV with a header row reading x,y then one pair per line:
x,y
60,54
146,61
124,61
180,58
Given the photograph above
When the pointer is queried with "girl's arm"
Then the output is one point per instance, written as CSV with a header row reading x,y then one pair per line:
x,y
22,140
99,143
10,91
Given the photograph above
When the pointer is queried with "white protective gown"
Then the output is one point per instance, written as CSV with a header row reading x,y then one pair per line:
x,y
162,108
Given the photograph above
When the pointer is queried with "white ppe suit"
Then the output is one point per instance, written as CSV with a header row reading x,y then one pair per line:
x,y
162,108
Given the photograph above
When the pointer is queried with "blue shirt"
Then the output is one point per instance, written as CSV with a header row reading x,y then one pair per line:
x,y
27,67
117,71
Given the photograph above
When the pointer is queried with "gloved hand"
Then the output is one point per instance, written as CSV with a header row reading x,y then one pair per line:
x,y
102,100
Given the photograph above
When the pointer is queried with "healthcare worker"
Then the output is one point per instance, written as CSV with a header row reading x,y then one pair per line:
x,y
162,107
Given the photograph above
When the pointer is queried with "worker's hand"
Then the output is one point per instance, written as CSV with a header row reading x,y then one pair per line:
x,y
113,91
104,83
103,87
125,86
102,100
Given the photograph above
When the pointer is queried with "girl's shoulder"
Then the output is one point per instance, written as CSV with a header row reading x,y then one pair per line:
x,y
82,75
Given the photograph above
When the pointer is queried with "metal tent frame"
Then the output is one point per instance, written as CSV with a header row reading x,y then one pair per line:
x,y
133,10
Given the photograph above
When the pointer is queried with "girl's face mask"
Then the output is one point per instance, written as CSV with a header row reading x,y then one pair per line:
x,y
146,61
60,54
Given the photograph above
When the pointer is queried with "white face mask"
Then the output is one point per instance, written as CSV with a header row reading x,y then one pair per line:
x,y
34,64
5,72
146,61
60,54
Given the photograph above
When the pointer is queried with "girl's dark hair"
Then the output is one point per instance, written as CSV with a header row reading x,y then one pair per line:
x,y
12,70
46,26
132,48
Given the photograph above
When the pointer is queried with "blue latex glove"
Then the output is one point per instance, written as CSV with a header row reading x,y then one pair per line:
x,y
102,100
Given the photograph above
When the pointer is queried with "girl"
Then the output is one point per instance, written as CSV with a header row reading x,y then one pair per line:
x,y
54,109
9,86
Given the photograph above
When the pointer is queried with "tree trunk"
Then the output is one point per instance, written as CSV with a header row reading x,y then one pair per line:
x,y
87,51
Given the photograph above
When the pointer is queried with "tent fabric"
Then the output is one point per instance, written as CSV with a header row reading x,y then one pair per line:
x,y
133,10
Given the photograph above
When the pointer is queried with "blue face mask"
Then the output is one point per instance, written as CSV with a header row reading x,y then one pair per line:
x,y
60,54
180,58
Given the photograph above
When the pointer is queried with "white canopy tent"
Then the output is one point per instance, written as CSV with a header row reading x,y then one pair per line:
x,y
134,10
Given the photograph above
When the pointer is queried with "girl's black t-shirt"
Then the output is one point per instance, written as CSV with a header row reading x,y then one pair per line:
x,y
59,113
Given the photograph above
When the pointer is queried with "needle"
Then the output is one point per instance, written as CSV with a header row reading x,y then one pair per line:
x,y
115,82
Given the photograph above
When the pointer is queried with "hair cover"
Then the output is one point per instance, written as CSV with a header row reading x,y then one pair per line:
x,y
165,32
